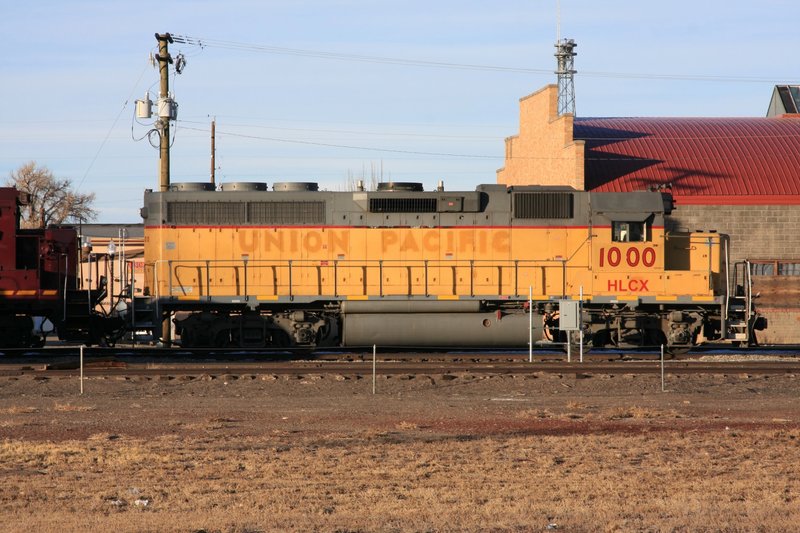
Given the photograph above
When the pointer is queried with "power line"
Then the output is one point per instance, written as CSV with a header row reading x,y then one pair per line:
x,y
108,134
318,54
350,147
354,132
611,156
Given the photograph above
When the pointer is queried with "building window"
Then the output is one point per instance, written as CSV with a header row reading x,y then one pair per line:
x,y
789,269
629,231
762,269
775,268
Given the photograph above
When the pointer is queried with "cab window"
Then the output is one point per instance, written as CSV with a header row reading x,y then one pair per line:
x,y
629,231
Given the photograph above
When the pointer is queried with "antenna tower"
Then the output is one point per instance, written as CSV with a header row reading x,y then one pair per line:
x,y
565,53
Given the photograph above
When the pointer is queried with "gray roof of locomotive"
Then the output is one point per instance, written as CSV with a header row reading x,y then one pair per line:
x,y
488,205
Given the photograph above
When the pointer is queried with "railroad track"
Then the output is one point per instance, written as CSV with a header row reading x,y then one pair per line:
x,y
160,362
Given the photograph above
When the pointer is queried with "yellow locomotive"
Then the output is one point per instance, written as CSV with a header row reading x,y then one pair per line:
x,y
400,266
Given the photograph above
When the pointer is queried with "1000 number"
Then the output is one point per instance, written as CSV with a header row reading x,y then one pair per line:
x,y
613,257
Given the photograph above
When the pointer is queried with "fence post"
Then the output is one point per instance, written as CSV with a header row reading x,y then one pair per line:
x,y
81,352
662,368
580,323
374,350
530,323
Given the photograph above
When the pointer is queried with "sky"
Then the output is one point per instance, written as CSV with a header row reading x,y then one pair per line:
x,y
335,90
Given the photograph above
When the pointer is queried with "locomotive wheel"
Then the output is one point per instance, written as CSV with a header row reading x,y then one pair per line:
x,y
280,339
675,351
575,344
223,339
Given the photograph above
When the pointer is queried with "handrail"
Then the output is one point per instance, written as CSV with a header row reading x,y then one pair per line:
x,y
727,283
295,268
749,280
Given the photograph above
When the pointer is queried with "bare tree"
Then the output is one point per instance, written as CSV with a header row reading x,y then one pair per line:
x,y
52,200
370,182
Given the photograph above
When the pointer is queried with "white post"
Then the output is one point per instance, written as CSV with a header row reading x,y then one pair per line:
x,y
580,322
81,369
374,350
530,323
662,368
569,347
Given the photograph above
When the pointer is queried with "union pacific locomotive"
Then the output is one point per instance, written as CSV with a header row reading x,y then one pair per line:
x,y
297,267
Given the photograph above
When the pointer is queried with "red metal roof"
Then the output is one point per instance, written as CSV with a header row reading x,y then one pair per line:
x,y
707,160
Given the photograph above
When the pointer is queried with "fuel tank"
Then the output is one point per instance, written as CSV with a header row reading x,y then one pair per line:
x,y
440,330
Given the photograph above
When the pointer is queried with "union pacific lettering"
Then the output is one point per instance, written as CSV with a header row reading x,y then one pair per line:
x,y
294,241
337,241
447,240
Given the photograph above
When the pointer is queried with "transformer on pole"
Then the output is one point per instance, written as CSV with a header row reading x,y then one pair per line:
x,y
565,53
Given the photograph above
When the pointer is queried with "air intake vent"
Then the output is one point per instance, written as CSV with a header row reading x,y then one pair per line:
x,y
286,213
543,205
206,213
402,205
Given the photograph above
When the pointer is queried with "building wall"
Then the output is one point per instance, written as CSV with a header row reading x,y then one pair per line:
x,y
758,233
543,153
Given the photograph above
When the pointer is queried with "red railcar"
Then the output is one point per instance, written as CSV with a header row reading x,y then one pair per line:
x,y
39,277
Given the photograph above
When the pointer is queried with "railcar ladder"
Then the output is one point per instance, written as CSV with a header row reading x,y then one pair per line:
x,y
142,316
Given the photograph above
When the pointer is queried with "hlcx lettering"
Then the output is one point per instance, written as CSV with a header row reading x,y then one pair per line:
x,y
630,285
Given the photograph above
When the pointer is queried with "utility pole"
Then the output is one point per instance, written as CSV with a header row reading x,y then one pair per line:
x,y
164,109
165,113
213,151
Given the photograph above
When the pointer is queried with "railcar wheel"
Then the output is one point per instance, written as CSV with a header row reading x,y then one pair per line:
x,y
106,341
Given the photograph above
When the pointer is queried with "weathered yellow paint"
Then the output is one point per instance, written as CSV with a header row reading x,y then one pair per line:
x,y
445,263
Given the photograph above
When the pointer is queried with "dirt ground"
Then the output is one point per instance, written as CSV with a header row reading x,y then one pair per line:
x,y
469,452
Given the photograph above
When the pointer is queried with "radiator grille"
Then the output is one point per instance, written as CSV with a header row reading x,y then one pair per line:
x,y
241,213
206,213
543,205
402,205
286,212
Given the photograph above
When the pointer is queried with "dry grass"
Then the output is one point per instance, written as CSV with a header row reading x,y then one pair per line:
x,y
68,407
407,481
18,410
638,412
